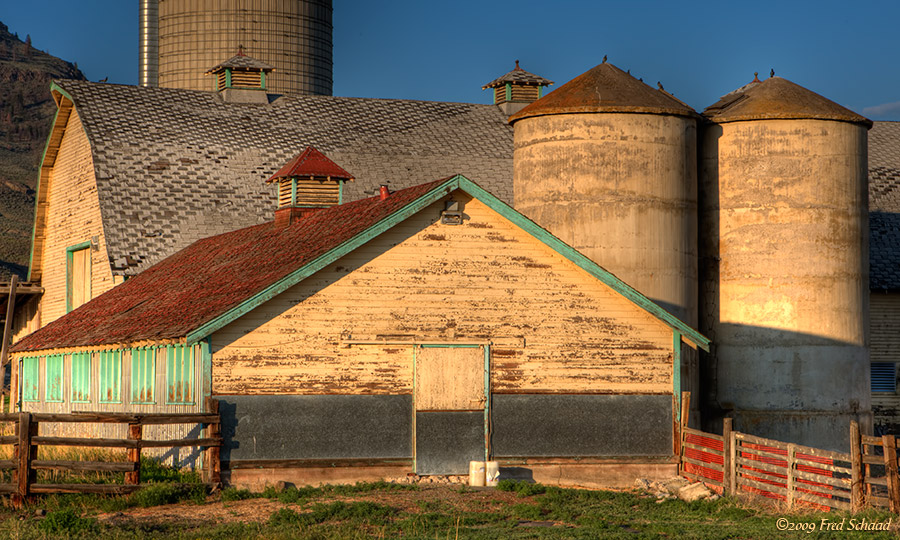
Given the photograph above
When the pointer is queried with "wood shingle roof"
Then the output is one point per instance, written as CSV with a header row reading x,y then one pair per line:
x,y
174,166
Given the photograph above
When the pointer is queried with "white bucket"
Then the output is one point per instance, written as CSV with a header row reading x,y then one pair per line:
x,y
491,473
476,473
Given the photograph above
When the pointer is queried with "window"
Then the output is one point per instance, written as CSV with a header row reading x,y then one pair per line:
x,y
179,374
110,376
81,377
31,370
143,375
884,377
78,275
54,371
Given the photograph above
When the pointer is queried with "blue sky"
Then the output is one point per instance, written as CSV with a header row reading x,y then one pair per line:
x,y
699,50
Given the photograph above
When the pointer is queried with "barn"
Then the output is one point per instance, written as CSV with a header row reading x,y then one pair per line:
x,y
411,331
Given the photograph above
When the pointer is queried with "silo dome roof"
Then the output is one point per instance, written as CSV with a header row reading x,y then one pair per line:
x,y
777,98
604,89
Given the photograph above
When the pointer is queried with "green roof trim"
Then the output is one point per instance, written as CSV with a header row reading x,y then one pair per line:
x,y
436,194
37,189
323,260
584,263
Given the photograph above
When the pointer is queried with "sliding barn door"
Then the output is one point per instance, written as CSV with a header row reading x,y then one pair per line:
x,y
450,408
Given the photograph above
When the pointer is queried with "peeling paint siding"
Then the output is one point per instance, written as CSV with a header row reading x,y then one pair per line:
x,y
73,217
484,280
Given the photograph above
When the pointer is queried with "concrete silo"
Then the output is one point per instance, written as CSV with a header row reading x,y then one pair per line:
x,y
181,39
609,165
784,263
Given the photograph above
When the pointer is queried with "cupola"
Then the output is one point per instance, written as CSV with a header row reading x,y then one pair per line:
x,y
516,89
307,183
241,79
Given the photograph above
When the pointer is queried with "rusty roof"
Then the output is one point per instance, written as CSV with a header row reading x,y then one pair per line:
x,y
605,88
242,62
777,98
518,76
213,275
311,162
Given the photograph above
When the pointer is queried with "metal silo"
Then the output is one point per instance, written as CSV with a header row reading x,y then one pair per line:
x,y
784,257
294,36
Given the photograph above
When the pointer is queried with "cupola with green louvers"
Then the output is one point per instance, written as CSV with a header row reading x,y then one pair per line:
x,y
308,182
516,89
242,75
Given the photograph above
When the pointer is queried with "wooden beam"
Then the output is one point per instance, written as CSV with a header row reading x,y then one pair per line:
x,y
857,479
7,332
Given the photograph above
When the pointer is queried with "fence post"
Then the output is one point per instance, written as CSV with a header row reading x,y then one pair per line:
x,y
727,457
214,430
135,433
791,454
856,468
24,455
890,471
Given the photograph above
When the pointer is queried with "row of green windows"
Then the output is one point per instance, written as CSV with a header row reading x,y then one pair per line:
x,y
179,376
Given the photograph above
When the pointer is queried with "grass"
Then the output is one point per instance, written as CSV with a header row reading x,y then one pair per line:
x,y
384,510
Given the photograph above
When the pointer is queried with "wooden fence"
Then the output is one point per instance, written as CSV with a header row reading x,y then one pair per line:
x,y
795,475
27,441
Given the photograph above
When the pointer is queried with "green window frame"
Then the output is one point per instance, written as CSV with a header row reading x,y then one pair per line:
x,y
143,375
31,379
110,377
70,274
80,377
179,374
55,378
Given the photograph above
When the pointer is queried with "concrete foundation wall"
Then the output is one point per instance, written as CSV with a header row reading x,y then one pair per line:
x,y
784,242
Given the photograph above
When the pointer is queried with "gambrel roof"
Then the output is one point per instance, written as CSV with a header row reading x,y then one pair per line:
x,y
884,206
205,286
174,166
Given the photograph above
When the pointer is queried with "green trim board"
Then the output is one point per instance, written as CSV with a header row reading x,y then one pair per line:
x,y
436,194
322,261
80,377
31,378
37,189
594,269
70,256
676,373
54,378
143,375
110,383
179,375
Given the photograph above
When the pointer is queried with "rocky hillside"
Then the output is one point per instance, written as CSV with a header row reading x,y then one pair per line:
x,y
26,114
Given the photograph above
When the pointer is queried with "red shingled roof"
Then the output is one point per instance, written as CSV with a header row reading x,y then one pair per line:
x,y
311,162
213,275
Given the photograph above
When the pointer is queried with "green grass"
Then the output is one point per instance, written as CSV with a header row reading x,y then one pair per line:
x,y
361,511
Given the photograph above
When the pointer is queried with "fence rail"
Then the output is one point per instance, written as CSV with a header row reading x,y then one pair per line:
x,y
27,441
793,474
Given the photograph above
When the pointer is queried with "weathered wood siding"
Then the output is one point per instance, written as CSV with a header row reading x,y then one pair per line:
x,y
554,328
449,379
72,216
884,317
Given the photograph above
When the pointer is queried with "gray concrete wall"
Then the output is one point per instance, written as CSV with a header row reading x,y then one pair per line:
x,y
784,245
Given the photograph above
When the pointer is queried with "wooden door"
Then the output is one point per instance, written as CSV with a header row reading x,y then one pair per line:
x,y
450,402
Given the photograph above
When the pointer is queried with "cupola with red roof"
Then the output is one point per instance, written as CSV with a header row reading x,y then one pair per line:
x,y
308,182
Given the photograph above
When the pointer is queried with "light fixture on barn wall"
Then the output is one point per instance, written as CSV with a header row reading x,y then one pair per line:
x,y
451,214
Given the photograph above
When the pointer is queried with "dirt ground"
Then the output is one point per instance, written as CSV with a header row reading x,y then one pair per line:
x,y
449,497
